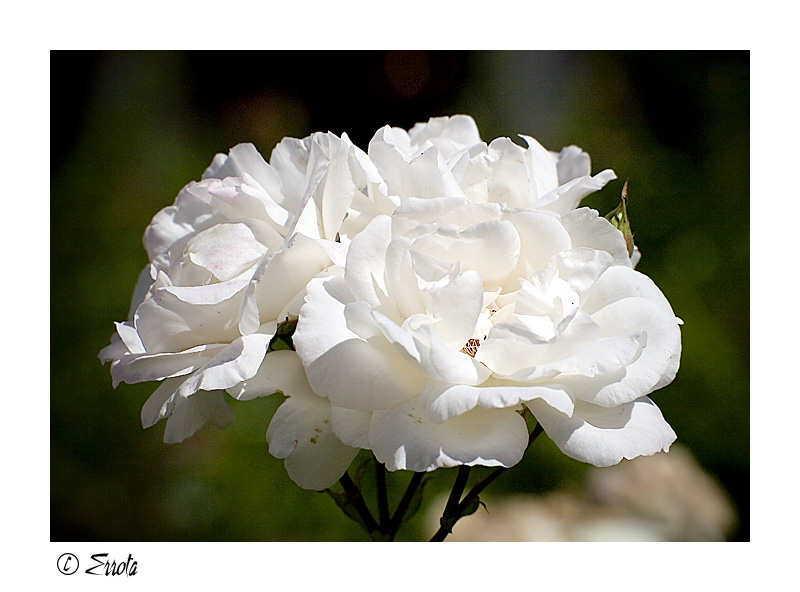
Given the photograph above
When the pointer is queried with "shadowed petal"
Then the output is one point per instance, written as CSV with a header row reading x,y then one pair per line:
x,y
403,438
301,433
603,436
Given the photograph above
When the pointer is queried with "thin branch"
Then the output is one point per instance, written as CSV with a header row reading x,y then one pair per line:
x,y
383,497
405,502
479,487
354,493
450,515
453,513
458,489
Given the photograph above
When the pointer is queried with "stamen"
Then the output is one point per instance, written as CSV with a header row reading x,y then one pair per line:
x,y
472,347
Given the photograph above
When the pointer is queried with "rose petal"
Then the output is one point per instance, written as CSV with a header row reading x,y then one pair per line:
x,y
300,432
127,332
444,401
602,436
572,162
176,319
245,158
490,248
456,303
146,367
203,295
448,134
581,267
588,229
377,375
365,261
190,414
495,173
441,211
403,438
541,236
352,372
226,250
338,187
618,282
280,372
143,285
244,198
441,362
541,168
161,402
423,175
188,214
351,426
237,362
287,273
290,160
400,282
359,319
660,357
114,351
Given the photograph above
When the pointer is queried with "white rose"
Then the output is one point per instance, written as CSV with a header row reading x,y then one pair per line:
x,y
326,182
446,157
229,261
450,316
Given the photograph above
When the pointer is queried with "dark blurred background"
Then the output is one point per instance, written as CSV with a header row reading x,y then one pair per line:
x,y
129,129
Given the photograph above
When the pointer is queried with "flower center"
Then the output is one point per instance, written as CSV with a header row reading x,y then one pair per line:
x,y
471,348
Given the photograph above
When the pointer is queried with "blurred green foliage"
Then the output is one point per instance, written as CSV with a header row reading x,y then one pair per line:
x,y
132,128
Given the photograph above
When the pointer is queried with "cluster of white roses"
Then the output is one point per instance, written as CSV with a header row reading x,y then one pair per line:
x,y
439,286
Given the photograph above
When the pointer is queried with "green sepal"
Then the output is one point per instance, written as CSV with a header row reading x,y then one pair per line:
x,y
283,336
447,522
345,502
278,343
360,470
619,218
287,327
472,507
382,537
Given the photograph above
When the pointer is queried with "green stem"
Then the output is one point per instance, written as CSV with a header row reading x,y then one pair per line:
x,y
454,512
383,498
450,515
479,487
458,488
405,502
354,493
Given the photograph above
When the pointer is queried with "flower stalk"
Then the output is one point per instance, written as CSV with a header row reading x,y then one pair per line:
x,y
383,498
353,497
387,526
353,504
405,502
455,510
